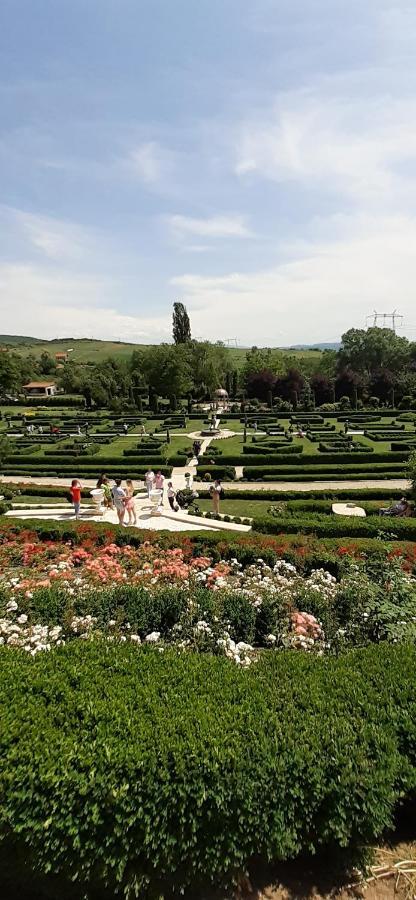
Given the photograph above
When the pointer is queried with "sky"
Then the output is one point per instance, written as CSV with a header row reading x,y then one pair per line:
x,y
254,159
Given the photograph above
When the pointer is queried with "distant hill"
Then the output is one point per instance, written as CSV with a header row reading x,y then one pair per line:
x,y
328,346
87,350
13,340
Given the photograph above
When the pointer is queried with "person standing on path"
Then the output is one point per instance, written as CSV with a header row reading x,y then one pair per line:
x,y
75,491
160,484
149,479
172,497
216,491
130,503
119,497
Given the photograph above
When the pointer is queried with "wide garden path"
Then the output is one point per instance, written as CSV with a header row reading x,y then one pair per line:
x,y
178,475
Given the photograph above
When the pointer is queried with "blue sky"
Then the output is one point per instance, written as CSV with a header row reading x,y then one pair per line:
x,y
253,158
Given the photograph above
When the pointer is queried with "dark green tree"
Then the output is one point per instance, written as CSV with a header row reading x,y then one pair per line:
x,y
181,324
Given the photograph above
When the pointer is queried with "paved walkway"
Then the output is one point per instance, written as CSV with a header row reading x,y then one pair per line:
x,y
167,521
399,484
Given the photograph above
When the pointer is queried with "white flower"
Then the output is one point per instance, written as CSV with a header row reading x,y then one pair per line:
x,y
153,637
135,638
11,606
22,619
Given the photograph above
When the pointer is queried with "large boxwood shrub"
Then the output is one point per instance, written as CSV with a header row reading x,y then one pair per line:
x,y
139,772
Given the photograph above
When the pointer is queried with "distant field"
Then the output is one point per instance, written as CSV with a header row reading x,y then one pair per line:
x,y
90,351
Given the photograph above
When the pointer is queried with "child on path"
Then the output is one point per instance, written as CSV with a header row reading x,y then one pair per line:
x,y
119,497
75,491
130,504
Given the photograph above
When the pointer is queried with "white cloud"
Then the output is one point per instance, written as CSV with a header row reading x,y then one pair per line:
x,y
46,302
149,162
209,227
56,239
332,139
325,287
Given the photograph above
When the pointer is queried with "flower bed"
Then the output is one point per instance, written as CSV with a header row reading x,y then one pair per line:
x,y
52,592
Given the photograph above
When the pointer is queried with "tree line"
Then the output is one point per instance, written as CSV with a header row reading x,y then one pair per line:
x,y
373,366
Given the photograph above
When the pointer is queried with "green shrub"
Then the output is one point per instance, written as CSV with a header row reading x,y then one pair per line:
x,y
132,770
337,526
310,473
223,472
269,449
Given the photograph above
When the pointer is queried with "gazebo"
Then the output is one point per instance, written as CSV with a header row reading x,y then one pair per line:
x,y
220,396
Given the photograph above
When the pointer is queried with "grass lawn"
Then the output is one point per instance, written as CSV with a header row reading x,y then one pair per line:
x,y
243,508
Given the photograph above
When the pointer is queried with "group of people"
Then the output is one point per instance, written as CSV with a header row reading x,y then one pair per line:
x,y
116,497
157,483
122,499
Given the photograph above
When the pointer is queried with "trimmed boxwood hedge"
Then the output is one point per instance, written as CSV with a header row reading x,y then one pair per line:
x,y
336,526
384,494
337,467
225,473
339,448
270,449
315,459
330,475
136,772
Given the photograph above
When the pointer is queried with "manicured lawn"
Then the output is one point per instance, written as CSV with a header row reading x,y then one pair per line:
x,y
242,508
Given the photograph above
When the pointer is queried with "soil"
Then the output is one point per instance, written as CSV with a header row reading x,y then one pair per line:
x,y
315,881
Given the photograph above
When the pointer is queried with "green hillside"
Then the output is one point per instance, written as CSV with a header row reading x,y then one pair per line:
x,y
85,350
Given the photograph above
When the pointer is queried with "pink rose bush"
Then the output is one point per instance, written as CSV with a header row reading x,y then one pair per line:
x,y
192,602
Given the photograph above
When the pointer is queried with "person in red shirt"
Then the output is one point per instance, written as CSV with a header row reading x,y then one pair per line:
x,y
75,492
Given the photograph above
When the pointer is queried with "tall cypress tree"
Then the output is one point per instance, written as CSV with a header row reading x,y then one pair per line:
x,y
181,324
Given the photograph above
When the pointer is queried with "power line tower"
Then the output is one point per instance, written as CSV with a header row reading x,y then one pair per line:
x,y
387,320
231,342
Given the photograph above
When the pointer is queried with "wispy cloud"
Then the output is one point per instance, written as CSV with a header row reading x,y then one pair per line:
x,y
54,238
327,285
209,227
47,302
149,162
358,147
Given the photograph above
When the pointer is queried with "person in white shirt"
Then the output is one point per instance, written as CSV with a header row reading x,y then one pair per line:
x,y
149,481
172,496
160,484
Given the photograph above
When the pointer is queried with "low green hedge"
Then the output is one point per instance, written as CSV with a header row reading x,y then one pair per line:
x,y
385,436
329,476
309,461
363,494
339,449
57,400
134,773
337,526
270,449
80,469
405,447
337,468
224,473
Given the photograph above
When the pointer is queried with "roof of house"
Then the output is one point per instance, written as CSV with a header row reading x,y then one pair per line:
x,y
39,384
61,354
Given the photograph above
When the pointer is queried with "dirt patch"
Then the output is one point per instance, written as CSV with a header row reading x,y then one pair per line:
x,y
392,877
